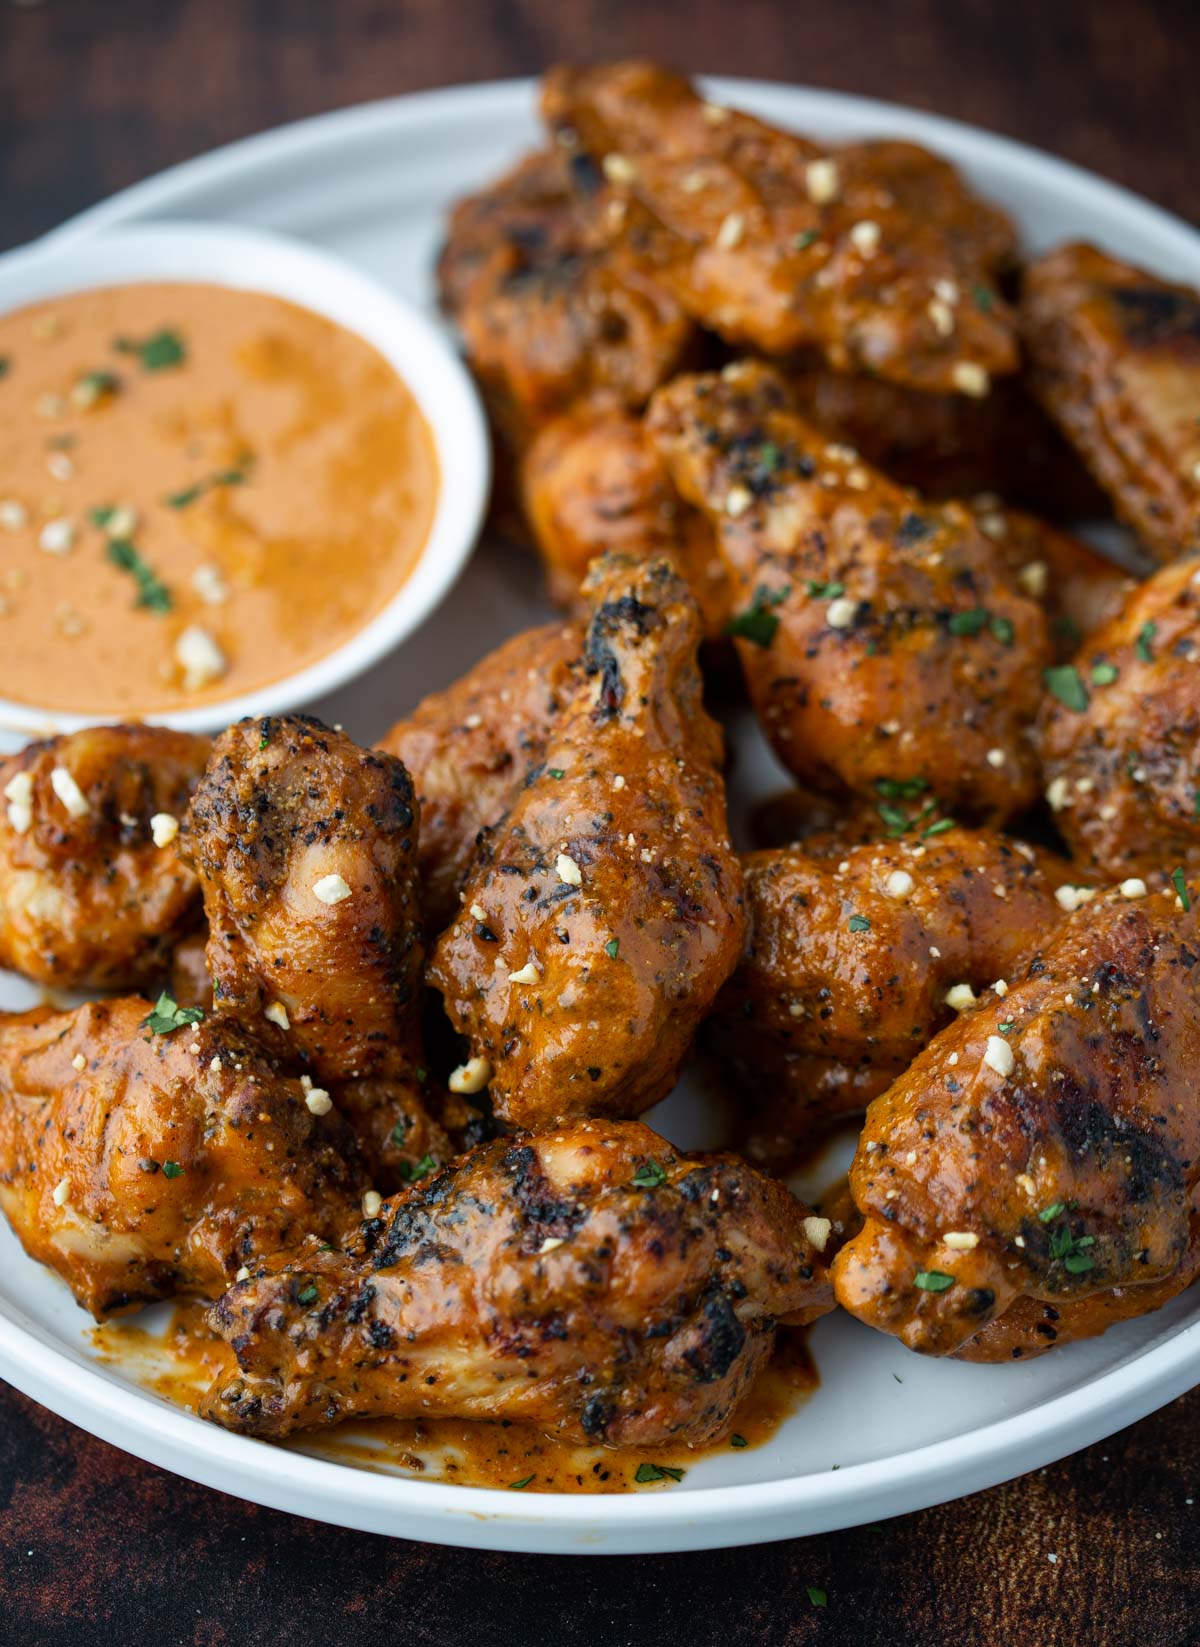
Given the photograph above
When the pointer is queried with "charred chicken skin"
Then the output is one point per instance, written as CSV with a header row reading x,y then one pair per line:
x,y
1042,1150
1120,735
93,894
876,254
548,315
142,1163
470,749
1115,359
856,955
591,1279
604,913
883,639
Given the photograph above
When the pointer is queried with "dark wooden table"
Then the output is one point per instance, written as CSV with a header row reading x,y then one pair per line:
x,y
95,1547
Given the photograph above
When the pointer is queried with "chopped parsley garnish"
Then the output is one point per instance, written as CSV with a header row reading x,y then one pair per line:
x,y
657,1472
1002,629
983,298
1104,674
1065,683
612,948
1144,645
1180,885
5,364
859,923
736,1440
938,828
649,1176
1067,1248
824,591
168,1016
769,456
932,1280
160,349
817,1596
515,1486
1196,802
172,1169
411,1173
307,1295
901,789
93,386
1006,1027
801,242
152,591
968,623
758,623
399,1132
207,483
556,772
1050,1213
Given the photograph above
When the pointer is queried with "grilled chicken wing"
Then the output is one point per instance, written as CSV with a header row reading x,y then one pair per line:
x,y
882,639
854,954
1045,1147
141,1165
470,749
1115,360
549,316
592,483
1120,735
876,253
88,898
591,1279
605,912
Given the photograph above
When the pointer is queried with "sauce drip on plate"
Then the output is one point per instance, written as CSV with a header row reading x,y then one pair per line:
x,y
202,490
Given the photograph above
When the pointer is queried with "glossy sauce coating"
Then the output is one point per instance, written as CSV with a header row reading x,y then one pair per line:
x,y
262,475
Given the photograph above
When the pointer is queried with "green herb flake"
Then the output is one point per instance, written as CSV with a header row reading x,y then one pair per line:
x,y
161,349
758,623
612,948
969,623
94,386
824,591
649,1176
101,515
769,457
153,593
168,1016
736,1440
1196,803
5,365
817,1596
1078,1263
399,1132
172,1169
1007,1027
517,1486
307,1295
901,789
1002,630
932,1280
859,923
207,483
1104,674
413,1173
1144,645
897,822
646,1473
555,772
938,828
1180,885
1050,1213
1065,683
801,242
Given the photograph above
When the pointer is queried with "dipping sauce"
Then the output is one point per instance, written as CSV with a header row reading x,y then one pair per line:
x,y
202,491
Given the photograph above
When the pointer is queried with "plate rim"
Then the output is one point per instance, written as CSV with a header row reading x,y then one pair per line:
x,y
139,1422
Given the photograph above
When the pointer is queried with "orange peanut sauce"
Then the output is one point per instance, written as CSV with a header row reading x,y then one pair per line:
x,y
202,491
181,1363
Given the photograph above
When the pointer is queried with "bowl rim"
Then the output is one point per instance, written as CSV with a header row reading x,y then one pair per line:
x,y
414,344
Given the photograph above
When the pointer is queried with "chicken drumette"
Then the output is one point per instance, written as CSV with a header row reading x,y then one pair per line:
x,y
92,892
1044,1150
591,1279
1115,360
470,749
876,253
884,640
605,911
856,955
144,1155
1120,735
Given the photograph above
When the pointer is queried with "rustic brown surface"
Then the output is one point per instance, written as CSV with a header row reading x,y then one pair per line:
x,y
95,1547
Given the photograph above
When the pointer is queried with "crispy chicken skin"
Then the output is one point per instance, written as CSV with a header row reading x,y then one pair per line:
x,y
592,1280
883,639
547,314
876,254
177,1158
850,952
1045,1146
470,749
592,483
605,911
1115,359
1121,740
87,900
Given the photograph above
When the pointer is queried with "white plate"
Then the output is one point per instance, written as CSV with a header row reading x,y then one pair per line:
x,y
371,184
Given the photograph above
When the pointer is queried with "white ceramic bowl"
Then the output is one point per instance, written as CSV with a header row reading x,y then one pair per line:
x,y
407,338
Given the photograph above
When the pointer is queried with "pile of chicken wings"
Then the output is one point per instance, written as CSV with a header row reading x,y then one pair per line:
x,y
789,425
